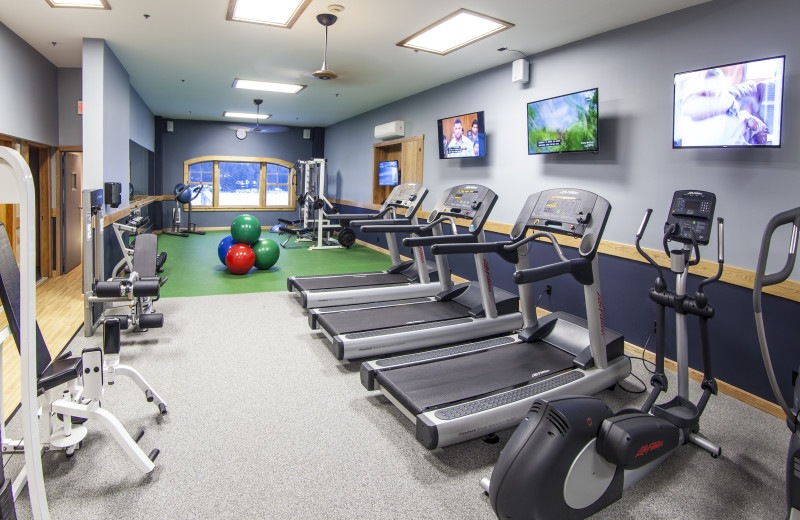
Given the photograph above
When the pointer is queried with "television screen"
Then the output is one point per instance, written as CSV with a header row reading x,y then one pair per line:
x,y
462,136
735,105
565,123
388,173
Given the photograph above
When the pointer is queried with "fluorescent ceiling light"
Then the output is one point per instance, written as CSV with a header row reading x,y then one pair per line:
x,y
268,86
245,115
455,31
279,13
90,4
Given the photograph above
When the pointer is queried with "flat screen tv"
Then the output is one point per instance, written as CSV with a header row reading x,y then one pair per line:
x,y
738,105
388,173
462,136
565,123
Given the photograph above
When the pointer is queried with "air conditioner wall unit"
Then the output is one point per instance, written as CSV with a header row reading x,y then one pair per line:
x,y
390,130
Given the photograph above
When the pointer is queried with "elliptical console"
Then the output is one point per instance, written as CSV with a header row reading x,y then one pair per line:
x,y
572,456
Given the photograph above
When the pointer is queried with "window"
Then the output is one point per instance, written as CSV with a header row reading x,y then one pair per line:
x,y
241,182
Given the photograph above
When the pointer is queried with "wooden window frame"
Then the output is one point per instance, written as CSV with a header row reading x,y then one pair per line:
x,y
262,190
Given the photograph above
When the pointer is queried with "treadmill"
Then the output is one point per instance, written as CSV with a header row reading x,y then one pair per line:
x,y
405,279
462,312
472,390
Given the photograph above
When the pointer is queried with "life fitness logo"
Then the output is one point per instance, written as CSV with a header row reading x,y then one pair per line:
x,y
600,308
421,254
488,273
647,448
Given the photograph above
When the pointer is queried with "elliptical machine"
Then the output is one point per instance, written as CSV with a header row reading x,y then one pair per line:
x,y
571,456
763,280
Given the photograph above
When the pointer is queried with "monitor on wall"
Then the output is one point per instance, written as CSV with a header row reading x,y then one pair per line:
x,y
737,105
565,123
388,173
462,136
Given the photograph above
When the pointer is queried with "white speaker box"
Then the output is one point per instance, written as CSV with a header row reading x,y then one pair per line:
x,y
520,71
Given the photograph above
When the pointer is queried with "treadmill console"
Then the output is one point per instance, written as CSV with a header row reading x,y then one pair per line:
x,y
565,211
408,195
467,201
691,210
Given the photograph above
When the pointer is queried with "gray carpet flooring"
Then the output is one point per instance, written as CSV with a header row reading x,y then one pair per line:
x,y
264,423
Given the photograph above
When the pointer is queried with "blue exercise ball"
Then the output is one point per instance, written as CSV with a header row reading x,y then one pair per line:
x,y
275,229
224,245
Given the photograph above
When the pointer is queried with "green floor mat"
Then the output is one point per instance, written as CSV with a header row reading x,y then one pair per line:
x,y
194,269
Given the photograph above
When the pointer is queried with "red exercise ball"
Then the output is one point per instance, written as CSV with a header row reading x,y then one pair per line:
x,y
240,258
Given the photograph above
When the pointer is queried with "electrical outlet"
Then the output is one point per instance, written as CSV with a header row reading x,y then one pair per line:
x,y
548,289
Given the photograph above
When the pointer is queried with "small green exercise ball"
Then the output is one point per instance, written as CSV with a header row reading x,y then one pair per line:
x,y
246,229
267,253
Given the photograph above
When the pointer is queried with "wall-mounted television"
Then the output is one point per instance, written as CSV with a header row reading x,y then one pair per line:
x,y
462,136
565,123
388,173
737,105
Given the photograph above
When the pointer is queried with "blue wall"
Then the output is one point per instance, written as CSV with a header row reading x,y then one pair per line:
x,y
190,139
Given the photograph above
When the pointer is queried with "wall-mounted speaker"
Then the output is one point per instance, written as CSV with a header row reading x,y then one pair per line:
x,y
113,194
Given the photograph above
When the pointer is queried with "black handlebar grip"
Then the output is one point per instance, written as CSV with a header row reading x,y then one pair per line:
x,y
476,247
536,274
434,240
381,222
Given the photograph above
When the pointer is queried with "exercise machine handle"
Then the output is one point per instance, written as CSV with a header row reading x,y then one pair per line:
x,y
639,236
575,266
441,248
762,278
720,255
363,224
437,242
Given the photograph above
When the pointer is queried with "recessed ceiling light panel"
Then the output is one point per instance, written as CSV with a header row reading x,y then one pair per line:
x,y
454,31
246,115
268,86
86,4
278,13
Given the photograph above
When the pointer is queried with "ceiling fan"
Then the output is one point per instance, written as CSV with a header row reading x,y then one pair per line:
x,y
327,20
241,131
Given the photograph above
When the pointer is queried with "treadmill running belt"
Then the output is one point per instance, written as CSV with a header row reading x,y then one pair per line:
x,y
422,387
349,281
387,317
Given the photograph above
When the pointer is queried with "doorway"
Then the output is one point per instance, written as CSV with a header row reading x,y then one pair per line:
x,y
71,182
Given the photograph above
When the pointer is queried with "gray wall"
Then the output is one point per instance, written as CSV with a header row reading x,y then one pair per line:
x,y
636,167
29,90
142,122
70,123
113,115
191,139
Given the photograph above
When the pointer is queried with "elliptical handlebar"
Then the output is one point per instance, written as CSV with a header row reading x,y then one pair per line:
x,y
641,251
720,255
762,280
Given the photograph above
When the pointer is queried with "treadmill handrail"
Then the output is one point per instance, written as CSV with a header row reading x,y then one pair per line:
x,y
418,228
436,241
575,266
380,222
499,246
359,216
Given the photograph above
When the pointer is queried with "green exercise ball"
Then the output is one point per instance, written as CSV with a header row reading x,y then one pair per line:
x,y
267,253
246,229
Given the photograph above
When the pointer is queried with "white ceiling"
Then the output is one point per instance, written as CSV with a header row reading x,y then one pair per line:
x,y
182,59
